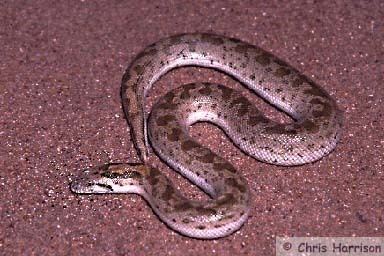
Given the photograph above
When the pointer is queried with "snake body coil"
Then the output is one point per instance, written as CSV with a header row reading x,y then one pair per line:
x,y
312,135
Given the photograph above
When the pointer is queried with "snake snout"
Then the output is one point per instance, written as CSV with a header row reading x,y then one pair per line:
x,y
84,183
80,185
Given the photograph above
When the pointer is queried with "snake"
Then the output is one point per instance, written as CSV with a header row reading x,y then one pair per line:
x,y
313,132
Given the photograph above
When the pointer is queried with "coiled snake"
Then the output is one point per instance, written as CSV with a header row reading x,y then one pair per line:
x,y
312,135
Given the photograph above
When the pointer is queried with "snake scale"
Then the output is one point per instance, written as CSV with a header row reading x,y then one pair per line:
x,y
313,133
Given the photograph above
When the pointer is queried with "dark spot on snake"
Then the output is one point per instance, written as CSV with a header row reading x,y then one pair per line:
x,y
325,112
168,193
224,166
244,105
234,183
280,72
175,135
169,97
278,90
263,59
298,81
226,199
153,177
315,90
310,126
201,227
253,120
139,69
167,106
207,158
213,39
206,90
176,39
226,92
280,62
280,129
189,145
235,40
242,48
186,90
186,221
164,120
183,206
206,211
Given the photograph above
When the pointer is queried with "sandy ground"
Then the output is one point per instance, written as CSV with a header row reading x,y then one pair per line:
x,y
60,112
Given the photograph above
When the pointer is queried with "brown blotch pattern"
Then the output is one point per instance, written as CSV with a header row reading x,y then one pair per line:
x,y
166,105
139,69
186,94
280,62
168,193
153,177
175,135
207,211
183,206
244,105
189,145
263,59
299,81
282,71
280,129
256,119
235,183
315,91
226,199
164,120
206,90
215,40
226,92
310,126
169,97
207,158
224,166
242,48
325,112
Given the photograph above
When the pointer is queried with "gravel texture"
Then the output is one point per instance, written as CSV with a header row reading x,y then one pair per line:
x,y
60,112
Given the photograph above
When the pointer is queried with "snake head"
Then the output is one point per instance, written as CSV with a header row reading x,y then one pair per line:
x,y
110,178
